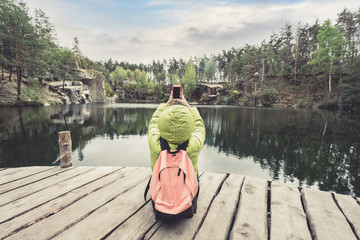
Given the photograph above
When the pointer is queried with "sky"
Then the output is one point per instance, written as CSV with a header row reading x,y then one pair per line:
x,y
140,31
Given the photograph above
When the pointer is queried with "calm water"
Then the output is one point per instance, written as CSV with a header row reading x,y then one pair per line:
x,y
306,148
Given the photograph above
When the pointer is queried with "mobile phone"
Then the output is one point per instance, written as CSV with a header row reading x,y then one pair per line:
x,y
176,91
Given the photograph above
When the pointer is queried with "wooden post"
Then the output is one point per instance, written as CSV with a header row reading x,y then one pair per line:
x,y
65,149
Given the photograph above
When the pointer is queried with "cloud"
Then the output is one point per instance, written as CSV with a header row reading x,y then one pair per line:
x,y
181,29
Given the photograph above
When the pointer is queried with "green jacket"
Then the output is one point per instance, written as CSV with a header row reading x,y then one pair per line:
x,y
176,124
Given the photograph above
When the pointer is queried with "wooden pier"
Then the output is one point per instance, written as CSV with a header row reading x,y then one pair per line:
x,y
107,203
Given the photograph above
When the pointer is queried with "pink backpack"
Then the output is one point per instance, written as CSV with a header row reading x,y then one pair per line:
x,y
173,185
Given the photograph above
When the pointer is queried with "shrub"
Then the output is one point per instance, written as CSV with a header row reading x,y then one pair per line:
x,y
306,103
109,91
329,103
268,97
205,98
33,93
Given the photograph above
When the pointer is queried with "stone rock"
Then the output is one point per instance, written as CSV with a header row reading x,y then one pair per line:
x,y
77,83
85,97
90,89
66,100
86,75
111,99
96,86
49,77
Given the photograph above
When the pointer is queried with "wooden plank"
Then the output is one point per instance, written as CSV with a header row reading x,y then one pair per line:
x,y
221,212
41,185
20,173
64,219
288,219
11,171
115,212
30,179
325,219
186,228
351,210
251,217
23,205
55,205
136,226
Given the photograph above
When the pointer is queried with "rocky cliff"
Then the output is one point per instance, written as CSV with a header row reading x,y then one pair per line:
x,y
95,82
89,88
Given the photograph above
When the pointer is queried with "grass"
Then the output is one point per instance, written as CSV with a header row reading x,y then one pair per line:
x,y
33,93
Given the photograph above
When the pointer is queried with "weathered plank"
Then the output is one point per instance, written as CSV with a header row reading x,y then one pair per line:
x,y
325,219
2,171
30,179
40,185
115,212
61,202
136,226
10,171
221,213
251,217
186,228
351,210
64,219
288,219
20,173
109,203
32,201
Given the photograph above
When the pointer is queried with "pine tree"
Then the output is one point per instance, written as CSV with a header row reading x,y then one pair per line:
x,y
329,52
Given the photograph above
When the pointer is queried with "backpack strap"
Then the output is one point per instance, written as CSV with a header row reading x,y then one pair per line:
x,y
165,146
147,189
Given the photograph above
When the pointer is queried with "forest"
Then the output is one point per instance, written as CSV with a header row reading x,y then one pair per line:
x,y
308,65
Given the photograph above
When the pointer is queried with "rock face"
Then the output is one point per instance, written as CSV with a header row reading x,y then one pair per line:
x,y
72,92
90,89
96,85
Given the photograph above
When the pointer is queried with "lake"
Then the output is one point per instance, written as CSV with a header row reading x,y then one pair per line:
x,y
318,149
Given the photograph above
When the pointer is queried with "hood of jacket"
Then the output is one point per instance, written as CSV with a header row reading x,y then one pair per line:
x,y
176,124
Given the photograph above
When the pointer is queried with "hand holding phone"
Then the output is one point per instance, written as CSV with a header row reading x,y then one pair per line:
x,y
176,89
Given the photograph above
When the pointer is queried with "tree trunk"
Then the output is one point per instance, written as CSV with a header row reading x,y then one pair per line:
x,y
19,78
330,83
2,71
263,74
296,58
10,71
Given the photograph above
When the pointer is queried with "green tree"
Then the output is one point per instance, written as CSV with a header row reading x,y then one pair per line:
x,y
329,51
63,65
16,25
141,84
174,79
76,51
42,47
189,79
118,76
209,70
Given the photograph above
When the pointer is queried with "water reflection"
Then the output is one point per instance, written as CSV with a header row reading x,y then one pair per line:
x,y
312,148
